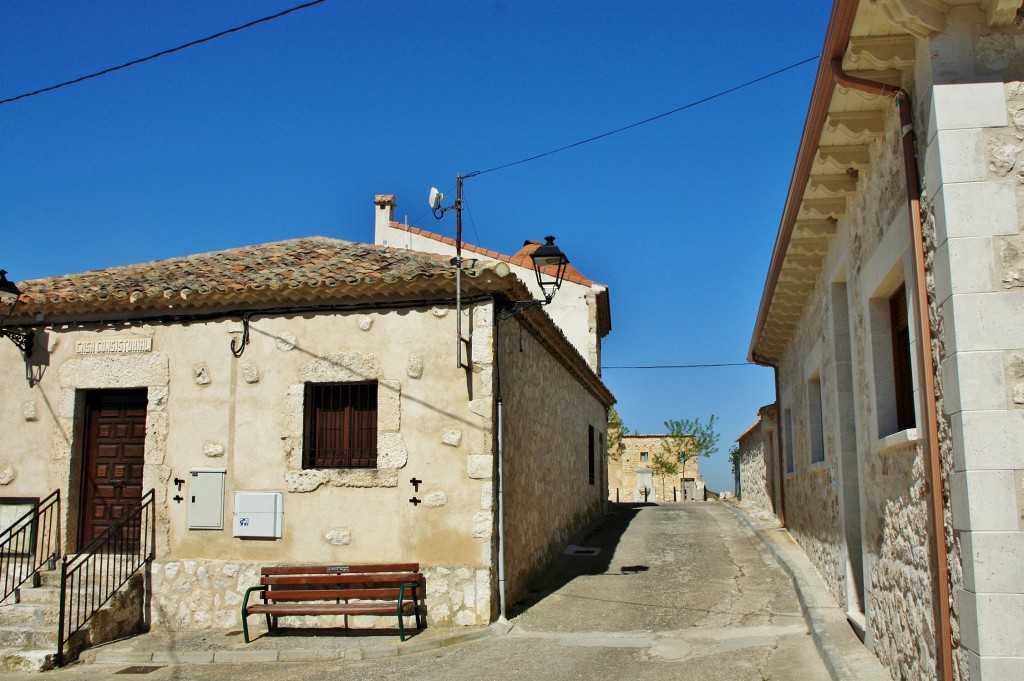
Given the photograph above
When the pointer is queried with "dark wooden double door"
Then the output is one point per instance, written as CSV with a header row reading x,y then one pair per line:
x,y
113,457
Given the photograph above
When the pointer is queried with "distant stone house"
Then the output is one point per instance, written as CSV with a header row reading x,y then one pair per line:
x,y
630,473
893,314
345,404
758,470
581,309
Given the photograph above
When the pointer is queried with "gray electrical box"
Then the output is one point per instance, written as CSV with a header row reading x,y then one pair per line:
x,y
206,498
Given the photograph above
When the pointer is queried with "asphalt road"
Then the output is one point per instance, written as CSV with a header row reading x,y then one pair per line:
x,y
679,591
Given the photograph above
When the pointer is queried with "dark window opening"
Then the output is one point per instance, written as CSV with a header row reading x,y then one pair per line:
x,y
340,429
902,374
591,457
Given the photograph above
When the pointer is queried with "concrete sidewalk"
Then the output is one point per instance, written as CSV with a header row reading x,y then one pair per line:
x,y
162,647
843,653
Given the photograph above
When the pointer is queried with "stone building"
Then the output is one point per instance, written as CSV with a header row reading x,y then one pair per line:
x,y
893,314
581,309
758,471
630,473
323,373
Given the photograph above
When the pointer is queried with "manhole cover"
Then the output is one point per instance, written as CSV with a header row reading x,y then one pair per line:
x,y
138,669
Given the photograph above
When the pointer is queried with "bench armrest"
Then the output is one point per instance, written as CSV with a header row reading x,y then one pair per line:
x,y
245,601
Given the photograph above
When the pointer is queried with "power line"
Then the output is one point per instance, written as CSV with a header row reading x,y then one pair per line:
x,y
684,366
163,53
643,122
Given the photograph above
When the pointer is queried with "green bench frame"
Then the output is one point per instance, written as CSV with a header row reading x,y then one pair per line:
x,y
381,589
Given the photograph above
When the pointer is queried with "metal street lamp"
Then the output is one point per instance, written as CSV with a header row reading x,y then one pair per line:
x,y
549,255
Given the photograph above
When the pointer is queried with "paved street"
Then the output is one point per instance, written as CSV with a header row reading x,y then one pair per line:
x,y
681,591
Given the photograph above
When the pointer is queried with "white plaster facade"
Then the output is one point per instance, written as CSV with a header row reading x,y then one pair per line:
x,y
327,322
857,485
581,308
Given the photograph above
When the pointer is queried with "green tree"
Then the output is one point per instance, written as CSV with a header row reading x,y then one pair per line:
x,y
616,431
685,441
734,457
664,464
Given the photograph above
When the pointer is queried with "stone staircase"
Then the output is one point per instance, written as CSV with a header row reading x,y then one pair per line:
x,y
28,623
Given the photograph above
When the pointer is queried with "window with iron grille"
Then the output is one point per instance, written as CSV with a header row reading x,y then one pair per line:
x,y
340,429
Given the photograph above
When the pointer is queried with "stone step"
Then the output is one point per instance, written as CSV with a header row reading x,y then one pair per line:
x,y
27,637
30,614
43,595
49,578
27,660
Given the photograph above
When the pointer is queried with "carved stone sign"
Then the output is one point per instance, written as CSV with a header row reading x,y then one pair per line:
x,y
113,345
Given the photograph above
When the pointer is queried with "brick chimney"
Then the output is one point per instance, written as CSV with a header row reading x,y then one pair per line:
x,y
383,218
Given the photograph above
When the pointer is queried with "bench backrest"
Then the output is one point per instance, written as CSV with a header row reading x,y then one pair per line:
x,y
331,582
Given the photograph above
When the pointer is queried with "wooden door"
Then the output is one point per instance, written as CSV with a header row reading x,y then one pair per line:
x,y
115,441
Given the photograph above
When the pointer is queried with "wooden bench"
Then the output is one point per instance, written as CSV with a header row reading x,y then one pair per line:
x,y
396,590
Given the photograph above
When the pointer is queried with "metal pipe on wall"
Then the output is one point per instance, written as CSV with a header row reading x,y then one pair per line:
x,y
944,657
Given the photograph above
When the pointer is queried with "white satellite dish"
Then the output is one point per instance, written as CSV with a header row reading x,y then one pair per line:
x,y
436,198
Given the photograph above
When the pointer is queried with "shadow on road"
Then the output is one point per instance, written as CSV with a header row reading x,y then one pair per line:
x,y
605,535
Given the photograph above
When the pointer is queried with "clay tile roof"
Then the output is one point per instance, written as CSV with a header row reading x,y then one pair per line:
x,y
521,258
298,271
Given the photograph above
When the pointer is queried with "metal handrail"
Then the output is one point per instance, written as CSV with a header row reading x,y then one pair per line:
x,y
32,541
93,576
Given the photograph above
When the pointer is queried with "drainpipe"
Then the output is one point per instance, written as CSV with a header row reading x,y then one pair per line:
x,y
944,658
499,425
501,519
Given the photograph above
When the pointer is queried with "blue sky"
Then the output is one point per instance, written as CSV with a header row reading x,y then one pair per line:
x,y
291,127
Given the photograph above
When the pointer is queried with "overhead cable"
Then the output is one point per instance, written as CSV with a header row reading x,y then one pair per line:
x,y
163,53
643,122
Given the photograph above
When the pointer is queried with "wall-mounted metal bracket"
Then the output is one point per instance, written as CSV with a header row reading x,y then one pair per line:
x,y
238,350
22,340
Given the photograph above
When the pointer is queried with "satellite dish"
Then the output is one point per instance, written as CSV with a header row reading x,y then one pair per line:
x,y
436,198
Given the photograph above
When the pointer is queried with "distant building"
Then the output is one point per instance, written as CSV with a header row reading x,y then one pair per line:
x,y
758,458
630,474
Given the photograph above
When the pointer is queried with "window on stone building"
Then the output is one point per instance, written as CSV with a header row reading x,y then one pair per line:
x,y
590,454
340,428
681,457
644,456
902,373
814,419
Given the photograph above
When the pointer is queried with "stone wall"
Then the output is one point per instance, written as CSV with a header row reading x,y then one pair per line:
x,y
975,173
755,467
547,412
205,594
207,409
861,512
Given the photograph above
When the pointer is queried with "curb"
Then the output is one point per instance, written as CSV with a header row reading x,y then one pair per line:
x,y
838,646
348,654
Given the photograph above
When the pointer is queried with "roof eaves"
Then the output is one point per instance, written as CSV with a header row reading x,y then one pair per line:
x,y
837,37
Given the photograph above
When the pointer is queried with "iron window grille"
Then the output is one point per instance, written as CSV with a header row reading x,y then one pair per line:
x,y
340,429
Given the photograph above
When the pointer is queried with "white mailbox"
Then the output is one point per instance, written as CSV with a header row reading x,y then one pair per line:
x,y
258,514
206,498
